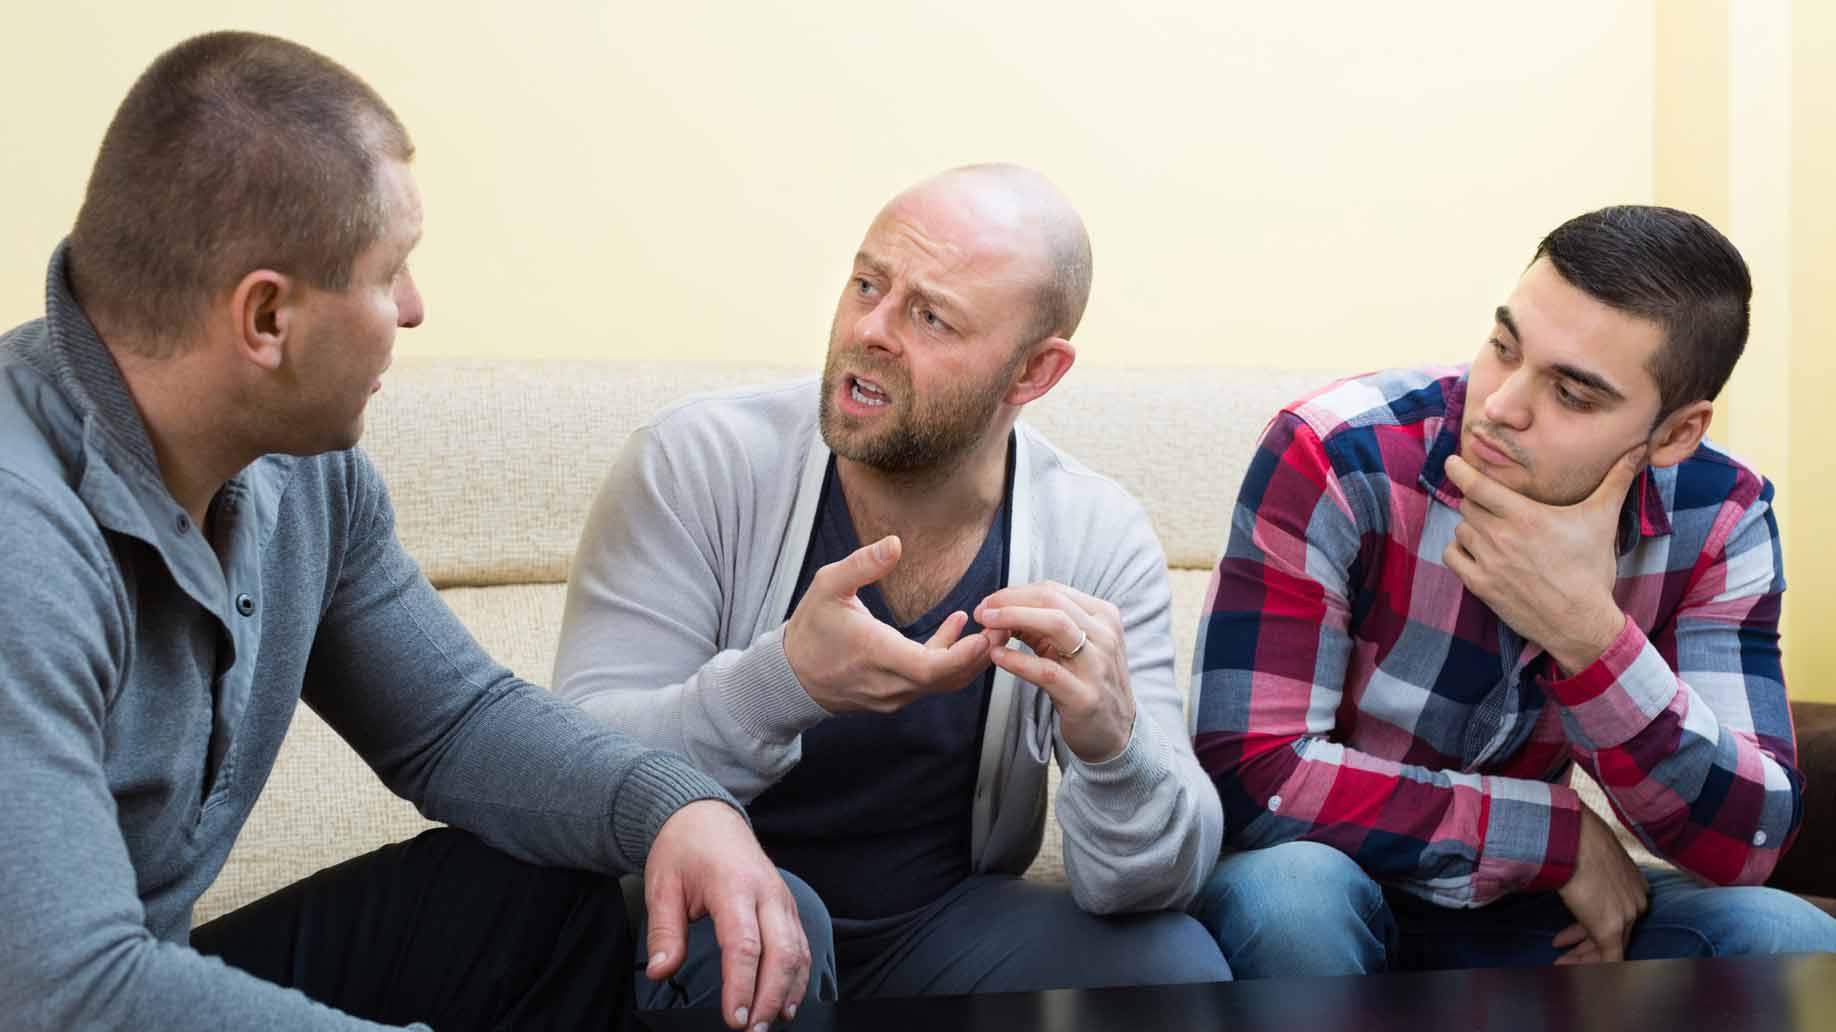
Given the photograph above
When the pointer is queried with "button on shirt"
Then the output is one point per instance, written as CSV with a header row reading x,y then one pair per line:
x,y
1351,691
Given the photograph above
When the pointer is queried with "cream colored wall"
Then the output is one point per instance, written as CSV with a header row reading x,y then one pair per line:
x,y
1332,185
1746,134
1810,562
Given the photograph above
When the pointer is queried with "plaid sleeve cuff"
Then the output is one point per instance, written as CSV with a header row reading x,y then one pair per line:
x,y
1617,697
1532,830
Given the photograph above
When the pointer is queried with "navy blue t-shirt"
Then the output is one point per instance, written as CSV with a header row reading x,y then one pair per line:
x,y
876,814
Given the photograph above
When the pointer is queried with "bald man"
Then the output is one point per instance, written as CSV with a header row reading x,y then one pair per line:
x,y
833,583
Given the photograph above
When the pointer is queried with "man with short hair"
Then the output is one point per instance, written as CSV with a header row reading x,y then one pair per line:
x,y
822,575
1445,587
194,548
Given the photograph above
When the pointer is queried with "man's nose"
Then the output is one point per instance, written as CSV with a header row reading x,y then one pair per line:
x,y
874,330
409,308
1509,403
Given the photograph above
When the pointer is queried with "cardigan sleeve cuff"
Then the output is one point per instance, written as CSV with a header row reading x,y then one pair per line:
x,y
1127,779
764,695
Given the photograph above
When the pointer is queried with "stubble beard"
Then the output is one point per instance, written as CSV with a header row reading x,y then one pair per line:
x,y
1568,484
925,437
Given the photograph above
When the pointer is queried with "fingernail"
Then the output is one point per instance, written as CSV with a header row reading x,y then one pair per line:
x,y
761,1027
740,1015
658,958
790,1011
879,550
991,613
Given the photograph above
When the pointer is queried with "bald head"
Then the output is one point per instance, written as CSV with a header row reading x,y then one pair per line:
x,y
1024,209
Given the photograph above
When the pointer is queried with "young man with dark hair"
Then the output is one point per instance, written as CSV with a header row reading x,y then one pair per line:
x,y
194,549
1445,587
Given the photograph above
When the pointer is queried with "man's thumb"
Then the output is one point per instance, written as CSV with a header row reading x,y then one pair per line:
x,y
1613,487
862,567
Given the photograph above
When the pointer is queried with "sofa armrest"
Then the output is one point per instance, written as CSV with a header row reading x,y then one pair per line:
x,y
1809,867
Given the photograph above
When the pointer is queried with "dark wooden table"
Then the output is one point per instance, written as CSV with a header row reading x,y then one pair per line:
x,y
1735,994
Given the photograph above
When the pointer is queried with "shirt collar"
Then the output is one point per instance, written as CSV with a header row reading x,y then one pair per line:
x,y
88,375
120,480
1644,514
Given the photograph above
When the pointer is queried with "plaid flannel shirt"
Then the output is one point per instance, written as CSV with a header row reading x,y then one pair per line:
x,y
1353,692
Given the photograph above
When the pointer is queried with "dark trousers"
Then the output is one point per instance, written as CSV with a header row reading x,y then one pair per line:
x,y
444,930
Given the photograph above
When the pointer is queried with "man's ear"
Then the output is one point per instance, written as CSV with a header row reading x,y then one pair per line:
x,y
262,310
1676,438
1046,363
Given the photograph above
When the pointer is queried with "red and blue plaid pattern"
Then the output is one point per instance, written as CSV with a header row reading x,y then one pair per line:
x,y
1352,692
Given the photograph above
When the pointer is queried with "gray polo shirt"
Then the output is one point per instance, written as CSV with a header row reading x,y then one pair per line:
x,y
148,674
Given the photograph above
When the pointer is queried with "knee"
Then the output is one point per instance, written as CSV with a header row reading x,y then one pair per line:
x,y
1298,885
1163,947
1175,949
1293,909
1764,921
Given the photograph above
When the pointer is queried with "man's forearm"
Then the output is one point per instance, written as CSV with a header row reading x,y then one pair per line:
x,y
536,778
1455,838
738,717
1653,743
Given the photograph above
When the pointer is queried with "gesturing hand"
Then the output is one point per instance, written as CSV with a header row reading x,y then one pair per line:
x,y
849,661
1080,661
1546,570
1607,894
706,862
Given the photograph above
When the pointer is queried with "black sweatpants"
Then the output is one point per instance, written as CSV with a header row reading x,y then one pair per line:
x,y
445,930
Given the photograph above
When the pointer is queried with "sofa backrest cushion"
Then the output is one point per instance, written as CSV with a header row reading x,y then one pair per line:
x,y
492,465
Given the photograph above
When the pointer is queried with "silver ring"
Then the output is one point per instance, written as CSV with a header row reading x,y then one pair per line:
x,y
1081,642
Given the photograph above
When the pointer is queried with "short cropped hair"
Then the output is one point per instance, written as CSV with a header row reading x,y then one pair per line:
x,y
1674,269
232,152
1066,290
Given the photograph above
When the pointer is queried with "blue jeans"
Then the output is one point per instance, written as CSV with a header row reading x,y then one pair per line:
x,y
1302,908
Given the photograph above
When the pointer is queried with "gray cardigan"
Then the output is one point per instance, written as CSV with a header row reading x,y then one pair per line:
x,y
129,764
693,547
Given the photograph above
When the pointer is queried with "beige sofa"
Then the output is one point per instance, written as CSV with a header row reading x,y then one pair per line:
x,y
492,467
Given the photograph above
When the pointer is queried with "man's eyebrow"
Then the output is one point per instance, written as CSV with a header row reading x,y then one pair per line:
x,y
1593,381
1503,315
941,299
929,293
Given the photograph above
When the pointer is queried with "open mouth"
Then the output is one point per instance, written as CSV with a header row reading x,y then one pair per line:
x,y
866,392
